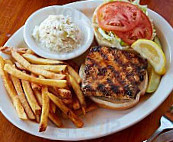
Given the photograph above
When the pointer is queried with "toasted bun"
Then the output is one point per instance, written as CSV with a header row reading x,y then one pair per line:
x,y
118,104
102,41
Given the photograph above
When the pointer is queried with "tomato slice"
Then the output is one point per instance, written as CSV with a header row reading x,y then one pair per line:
x,y
143,30
118,16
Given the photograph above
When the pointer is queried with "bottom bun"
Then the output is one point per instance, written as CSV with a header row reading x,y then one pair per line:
x,y
118,104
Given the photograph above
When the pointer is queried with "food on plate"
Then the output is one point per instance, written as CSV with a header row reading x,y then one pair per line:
x,y
53,68
114,78
157,41
30,97
154,80
78,92
7,50
55,119
53,116
76,104
52,107
57,33
34,69
74,74
23,100
11,91
45,109
21,75
42,61
36,96
74,118
34,86
153,53
120,23
62,93
90,107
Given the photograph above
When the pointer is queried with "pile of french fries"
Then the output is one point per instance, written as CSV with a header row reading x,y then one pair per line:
x,y
42,89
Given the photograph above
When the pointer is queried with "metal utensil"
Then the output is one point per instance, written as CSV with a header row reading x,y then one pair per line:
x,y
165,125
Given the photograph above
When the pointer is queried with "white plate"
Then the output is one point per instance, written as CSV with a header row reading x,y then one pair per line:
x,y
82,21
100,122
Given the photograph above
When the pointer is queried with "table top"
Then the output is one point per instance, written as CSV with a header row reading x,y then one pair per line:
x,y
13,14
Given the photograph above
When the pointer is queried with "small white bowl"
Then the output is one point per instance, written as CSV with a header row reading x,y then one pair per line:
x,y
78,18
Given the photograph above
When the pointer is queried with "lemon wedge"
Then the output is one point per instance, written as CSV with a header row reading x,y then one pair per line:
x,y
154,80
152,52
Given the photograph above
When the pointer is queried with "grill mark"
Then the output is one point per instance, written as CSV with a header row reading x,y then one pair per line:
x,y
102,71
114,88
135,72
138,68
129,80
116,73
103,89
126,84
108,66
94,64
121,81
140,60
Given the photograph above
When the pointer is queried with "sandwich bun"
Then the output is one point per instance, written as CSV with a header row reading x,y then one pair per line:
x,y
117,104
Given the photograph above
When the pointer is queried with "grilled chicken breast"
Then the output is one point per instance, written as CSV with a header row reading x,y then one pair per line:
x,y
113,74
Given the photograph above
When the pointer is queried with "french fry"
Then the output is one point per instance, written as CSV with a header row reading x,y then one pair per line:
x,y
46,73
91,107
7,50
30,97
35,86
29,51
7,61
55,119
19,108
19,66
37,118
20,59
37,60
74,74
53,68
65,94
52,116
52,107
61,93
34,69
11,91
76,104
45,109
67,101
19,90
21,75
74,118
64,116
78,92
38,96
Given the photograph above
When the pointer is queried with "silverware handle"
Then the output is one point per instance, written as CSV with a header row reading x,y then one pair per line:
x,y
155,134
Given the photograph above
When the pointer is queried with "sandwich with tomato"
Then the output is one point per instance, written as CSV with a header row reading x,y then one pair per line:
x,y
115,78
119,23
